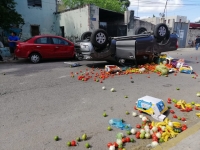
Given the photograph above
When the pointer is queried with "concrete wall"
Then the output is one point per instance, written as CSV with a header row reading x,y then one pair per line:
x,y
153,20
192,33
42,16
78,21
139,23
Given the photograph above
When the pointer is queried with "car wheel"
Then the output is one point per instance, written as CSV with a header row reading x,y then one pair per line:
x,y
99,38
160,31
86,35
140,30
35,58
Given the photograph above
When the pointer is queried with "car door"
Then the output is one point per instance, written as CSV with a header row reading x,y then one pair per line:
x,y
62,48
44,46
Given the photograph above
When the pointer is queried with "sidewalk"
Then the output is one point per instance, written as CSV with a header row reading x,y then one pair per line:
x,y
187,140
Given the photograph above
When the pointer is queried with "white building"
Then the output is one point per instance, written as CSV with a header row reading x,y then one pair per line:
x,y
38,16
168,20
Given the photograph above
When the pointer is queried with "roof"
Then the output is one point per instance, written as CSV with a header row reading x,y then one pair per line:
x,y
84,6
194,25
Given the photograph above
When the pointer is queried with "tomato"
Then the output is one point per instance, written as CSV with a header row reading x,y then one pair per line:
x,y
123,140
137,136
138,126
183,119
159,129
115,144
109,144
128,139
184,125
197,108
175,105
135,107
73,143
174,116
155,138
184,128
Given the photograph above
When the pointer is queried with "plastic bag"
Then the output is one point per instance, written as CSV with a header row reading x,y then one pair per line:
x,y
119,124
186,69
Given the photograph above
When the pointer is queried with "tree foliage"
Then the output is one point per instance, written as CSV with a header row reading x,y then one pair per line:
x,y
115,5
9,16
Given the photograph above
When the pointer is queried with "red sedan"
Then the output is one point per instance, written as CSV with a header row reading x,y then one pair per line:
x,y
44,47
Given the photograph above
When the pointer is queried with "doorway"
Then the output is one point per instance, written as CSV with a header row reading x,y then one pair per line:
x,y
35,30
62,30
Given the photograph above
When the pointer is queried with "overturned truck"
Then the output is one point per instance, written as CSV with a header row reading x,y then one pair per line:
x,y
98,45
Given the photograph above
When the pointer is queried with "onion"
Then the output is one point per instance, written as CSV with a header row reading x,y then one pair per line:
x,y
134,114
141,116
146,127
112,147
154,129
170,124
198,94
151,132
133,131
147,135
154,144
103,88
144,118
147,130
119,141
163,128
158,135
142,131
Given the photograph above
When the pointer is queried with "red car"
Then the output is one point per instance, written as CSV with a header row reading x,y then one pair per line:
x,y
44,47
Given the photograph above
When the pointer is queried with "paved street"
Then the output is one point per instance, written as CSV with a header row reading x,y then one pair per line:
x,y
39,101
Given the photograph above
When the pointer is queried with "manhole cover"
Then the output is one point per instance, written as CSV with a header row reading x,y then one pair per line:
x,y
167,85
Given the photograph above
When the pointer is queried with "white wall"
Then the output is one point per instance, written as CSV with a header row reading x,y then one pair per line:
x,y
153,20
42,16
75,22
78,21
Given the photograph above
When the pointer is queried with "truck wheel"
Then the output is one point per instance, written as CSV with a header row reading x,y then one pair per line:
x,y
99,38
140,30
86,35
160,31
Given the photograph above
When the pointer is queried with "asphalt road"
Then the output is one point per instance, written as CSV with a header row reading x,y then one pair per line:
x,y
40,101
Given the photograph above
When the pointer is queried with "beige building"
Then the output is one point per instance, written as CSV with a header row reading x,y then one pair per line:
x,y
168,20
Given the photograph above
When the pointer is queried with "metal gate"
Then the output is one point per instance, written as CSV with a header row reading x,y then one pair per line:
x,y
181,29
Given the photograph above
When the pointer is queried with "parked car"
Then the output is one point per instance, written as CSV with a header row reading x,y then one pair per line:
x,y
97,45
45,47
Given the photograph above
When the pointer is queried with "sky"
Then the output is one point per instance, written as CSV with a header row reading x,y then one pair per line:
x,y
148,8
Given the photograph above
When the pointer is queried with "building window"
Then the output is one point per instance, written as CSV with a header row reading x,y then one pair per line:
x,y
35,30
35,3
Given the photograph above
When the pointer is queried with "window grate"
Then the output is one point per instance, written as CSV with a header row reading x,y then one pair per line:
x,y
37,3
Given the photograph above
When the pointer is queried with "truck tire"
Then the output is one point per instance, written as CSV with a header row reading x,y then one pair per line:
x,y
99,38
140,30
160,31
86,35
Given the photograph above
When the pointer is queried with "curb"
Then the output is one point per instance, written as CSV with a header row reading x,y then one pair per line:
x,y
173,142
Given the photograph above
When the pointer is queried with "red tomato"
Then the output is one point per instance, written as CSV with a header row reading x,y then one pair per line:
x,y
115,144
73,143
137,136
109,144
184,125
138,126
159,129
155,138
135,107
123,140
184,128
174,116
128,139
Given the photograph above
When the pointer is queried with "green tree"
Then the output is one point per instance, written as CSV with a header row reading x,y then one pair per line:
x,y
9,16
115,5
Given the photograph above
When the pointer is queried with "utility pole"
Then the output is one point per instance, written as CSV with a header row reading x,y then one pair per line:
x,y
137,8
164,11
